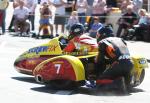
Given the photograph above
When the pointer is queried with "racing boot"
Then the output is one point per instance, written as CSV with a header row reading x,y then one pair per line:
x,y
108,84
90,84
104,84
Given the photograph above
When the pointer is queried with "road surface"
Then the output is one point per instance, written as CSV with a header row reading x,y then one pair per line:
x,y
19,88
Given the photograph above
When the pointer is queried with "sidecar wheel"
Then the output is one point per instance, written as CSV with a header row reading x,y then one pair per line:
x,y
142,77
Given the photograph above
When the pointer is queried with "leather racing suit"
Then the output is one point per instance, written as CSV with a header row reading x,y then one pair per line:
x,y
80,43
113,51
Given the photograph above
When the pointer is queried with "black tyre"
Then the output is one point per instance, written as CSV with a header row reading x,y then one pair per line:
x,y
141,78
137,83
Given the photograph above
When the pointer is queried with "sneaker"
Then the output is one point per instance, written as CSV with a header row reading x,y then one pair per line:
x,y
37,36
57,35
51,36
24,34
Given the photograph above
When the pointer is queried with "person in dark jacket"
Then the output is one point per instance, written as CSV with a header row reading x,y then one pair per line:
x,y
112,51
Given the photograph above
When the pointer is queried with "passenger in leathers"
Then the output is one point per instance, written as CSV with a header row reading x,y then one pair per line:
x,y
113,51
80,41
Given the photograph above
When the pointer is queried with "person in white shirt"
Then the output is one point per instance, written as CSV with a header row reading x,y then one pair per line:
x,y
21,14
15,4
31,5
138,4
60,18
100,9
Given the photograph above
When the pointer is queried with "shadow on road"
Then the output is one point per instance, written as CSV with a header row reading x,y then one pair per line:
x,y
25,79
86,91
80,90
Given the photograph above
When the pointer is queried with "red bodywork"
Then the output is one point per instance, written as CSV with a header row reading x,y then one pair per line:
x,y
27,66
50,70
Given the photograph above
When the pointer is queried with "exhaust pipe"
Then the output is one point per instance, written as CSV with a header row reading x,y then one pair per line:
x,y
39,79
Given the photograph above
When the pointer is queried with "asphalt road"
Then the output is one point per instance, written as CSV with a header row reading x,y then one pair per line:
x,y
19,88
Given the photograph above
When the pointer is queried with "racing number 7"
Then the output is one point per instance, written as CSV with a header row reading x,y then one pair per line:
x,y
57,67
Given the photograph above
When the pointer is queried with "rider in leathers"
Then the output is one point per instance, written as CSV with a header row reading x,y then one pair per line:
x,y
113,51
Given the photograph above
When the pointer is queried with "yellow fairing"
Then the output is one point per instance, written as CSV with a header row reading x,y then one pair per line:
x,y
50,48
54,48
75,62
140,63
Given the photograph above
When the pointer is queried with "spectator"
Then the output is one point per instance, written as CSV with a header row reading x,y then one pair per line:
x,y
137,5
43,1
72,20
60,18
70,8
111,3
127,21
45,15
89,9
21,14
81,7
15,4
142,25
99,9
143,17
95,26
124,5
3,6
31,5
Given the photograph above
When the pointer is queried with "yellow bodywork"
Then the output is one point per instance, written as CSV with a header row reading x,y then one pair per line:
x,y
140,63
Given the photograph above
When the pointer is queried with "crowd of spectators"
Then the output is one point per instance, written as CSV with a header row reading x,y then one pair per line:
x,y
68,12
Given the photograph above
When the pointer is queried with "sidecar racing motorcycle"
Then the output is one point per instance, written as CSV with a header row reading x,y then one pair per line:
x,y
51,66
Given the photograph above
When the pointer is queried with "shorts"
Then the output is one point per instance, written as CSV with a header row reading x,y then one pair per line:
x,y
60,20
44,21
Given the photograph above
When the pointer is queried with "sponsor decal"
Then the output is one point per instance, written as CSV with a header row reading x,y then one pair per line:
x,y
75,53
37,50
